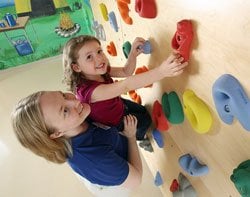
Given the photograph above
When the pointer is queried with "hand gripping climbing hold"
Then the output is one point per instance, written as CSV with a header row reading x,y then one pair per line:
x,y
147,49
183,37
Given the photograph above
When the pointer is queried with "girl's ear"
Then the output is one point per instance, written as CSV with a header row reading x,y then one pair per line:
x,y
75,67
56,134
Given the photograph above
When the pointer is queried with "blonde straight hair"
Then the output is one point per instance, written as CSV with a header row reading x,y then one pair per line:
x,y
32,132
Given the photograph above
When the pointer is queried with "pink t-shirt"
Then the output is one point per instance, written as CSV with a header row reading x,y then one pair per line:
x,y
108,112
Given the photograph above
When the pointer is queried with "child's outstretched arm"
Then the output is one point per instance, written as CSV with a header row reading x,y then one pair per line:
x,y
172,66
130,65
134,160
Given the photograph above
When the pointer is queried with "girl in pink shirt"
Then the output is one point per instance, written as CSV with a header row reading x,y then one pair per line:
x,y
88,74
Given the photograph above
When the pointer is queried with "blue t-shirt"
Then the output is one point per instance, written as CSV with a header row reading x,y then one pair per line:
x,y
100,155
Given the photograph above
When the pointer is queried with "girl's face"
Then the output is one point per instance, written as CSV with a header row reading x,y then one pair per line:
x,y
92,61
63,112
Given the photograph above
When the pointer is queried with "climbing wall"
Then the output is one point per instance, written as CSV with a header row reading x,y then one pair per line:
x,y
220,45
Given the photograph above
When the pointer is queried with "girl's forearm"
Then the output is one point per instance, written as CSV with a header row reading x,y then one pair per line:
x,y
108,91
130,65
142,79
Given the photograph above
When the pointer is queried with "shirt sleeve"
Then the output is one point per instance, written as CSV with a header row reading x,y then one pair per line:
x,y
84,92
100,165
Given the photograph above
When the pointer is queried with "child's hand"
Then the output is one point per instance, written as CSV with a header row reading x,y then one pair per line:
x,y
136,48
173,65
130,123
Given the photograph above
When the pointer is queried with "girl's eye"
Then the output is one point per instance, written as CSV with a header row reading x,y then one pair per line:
x,y
65,111
88,57
100,51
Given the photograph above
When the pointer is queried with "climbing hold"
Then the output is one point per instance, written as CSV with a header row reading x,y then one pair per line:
x,y
174,186
158,117
146,145
113,21
185,188
104,11
134,96
183,182
172,108
197,112
111,49
146,8
241,178
188,192
124,10
146,47
183,37
192,166
126,48
158,180
231,100
184,162
99,31
158,138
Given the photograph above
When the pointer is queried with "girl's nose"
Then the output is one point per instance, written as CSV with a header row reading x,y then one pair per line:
x,y
100,56
74,102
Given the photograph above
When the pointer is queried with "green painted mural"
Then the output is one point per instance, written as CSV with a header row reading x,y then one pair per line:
x,y
41,28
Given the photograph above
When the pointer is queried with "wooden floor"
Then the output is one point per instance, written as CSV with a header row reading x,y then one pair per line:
x,y
221,45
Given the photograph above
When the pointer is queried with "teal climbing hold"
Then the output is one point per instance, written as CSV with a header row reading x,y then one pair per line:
x,y
126,48
241,178
172,107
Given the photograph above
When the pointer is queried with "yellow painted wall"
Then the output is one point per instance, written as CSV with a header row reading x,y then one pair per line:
x,y
60,3
23,6
221,45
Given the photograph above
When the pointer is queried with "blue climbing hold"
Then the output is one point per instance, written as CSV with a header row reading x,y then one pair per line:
x,y
184,162
112,21
231,100
147,49
158,137
192,166
158,180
